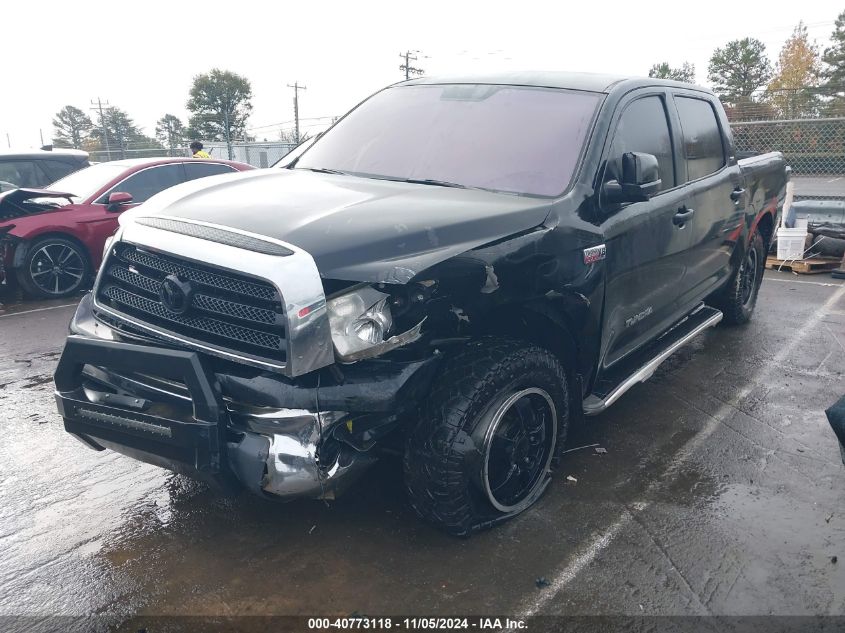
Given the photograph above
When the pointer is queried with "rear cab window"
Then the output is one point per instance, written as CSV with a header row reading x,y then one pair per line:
x,y
704,151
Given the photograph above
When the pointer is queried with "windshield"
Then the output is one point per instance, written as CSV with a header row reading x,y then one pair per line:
x,y
292,155
503,138
86,182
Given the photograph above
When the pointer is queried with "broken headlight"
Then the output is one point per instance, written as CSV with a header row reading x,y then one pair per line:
x,y
360,320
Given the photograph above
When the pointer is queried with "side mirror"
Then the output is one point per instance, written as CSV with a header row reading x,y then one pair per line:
x,y
640,179
117,200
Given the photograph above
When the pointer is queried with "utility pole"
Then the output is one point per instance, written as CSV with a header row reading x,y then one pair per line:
x,y
99,108
227,131
409,70
296,88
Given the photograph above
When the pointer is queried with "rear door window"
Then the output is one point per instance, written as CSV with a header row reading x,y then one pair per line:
x,y
20,173
201,170
703,149
643,127
144,184
56,169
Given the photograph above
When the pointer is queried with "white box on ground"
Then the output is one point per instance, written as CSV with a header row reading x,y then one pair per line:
x,y
791,242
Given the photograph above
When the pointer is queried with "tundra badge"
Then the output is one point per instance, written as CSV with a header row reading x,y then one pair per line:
x,y
594,254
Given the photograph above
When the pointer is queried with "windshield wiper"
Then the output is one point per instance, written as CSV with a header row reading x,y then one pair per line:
x,y
323,170
431,181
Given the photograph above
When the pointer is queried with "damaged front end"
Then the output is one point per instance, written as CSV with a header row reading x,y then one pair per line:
x,y
291,453
255,369
289,438
8,244
19,203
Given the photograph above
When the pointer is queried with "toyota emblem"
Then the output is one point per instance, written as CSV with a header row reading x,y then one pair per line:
x,y
175,294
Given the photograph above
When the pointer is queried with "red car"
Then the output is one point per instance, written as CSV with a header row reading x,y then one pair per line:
x,y
52,240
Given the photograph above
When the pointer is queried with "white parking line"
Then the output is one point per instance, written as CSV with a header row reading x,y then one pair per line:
x,y
587,555
11,314
567,572
797,281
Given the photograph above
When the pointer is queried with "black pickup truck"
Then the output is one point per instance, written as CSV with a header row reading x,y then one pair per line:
x,y
459,269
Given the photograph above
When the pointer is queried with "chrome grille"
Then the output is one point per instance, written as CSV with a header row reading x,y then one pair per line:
x,y
227,311
173,266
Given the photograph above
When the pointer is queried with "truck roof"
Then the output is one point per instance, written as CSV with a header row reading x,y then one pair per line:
x,y
58,153
592,82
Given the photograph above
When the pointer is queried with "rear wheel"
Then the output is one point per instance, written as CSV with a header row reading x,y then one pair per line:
x,y
53,267
738,298
493,422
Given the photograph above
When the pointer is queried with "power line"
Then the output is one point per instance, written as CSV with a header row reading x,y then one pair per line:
x,y
296,88
409,70
281,123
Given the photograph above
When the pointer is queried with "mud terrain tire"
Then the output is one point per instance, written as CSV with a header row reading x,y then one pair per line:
x,y
481,451
738,298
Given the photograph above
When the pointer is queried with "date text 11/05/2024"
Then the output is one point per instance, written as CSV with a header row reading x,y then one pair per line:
x,y
417,623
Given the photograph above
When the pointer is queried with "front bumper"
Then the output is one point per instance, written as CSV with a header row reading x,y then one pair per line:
x,y
187,412
7,250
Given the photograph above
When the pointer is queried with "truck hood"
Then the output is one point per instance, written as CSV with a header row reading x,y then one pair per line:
x,y
356,229
14,203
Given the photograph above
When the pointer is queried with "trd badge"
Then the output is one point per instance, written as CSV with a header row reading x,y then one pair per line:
x,y
595,254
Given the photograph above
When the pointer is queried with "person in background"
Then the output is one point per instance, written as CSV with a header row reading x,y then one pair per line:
x,y
197,151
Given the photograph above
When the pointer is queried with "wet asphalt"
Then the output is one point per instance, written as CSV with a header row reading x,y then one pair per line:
x,y
721,492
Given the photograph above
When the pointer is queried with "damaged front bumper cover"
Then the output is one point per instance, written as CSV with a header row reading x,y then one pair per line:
x,y
282,452
175,409
275,451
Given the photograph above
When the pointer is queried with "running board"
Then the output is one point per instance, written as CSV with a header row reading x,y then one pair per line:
x,y
611,387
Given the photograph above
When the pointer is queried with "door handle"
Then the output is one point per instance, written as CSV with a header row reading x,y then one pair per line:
x,y
736,194
681,217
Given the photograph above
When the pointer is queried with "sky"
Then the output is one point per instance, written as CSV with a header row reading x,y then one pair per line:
x,y
142,56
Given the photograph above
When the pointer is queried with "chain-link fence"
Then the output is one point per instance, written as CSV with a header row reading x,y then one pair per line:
x,y
102,155
813,147
257,154
806,123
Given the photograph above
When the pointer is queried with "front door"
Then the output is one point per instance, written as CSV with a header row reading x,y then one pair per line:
x,y
647,242
141,185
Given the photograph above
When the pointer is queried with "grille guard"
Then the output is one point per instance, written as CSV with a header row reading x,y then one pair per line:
x,y
295,277
196,443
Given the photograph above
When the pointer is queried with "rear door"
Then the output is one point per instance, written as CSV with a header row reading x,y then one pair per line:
x,y
646,245
712,177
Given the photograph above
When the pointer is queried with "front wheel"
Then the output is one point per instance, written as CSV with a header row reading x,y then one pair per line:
x,y
483,447
738,298
53,267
